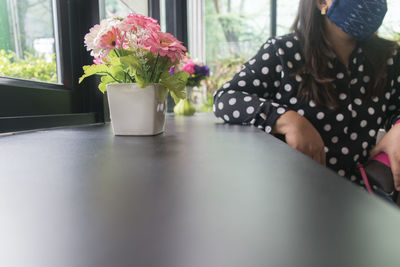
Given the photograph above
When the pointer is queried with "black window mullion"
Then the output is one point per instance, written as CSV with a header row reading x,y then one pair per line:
x,y
176,19
176,24
154,9
274,12
83,16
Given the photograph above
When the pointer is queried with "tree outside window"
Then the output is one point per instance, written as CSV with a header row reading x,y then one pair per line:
x,y
235,30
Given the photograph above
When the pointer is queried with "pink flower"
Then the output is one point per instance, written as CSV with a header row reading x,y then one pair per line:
x,y
137,21
165,44
111,40
189,66
98,61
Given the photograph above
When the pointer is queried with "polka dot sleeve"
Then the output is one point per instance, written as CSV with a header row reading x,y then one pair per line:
x,y
250,97
393,110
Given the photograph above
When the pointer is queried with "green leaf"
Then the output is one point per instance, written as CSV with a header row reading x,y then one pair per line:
x,y
142,83
162,93
176,84
114,59
90,70
130,64
177,96
117,72
104,81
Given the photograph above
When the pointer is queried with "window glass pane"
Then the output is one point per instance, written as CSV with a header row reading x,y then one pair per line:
x,y
235,30
163,19
286,14
391,25
113,8
27,40
235,27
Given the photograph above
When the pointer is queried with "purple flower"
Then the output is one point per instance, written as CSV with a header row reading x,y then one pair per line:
x,y
172,70
203,71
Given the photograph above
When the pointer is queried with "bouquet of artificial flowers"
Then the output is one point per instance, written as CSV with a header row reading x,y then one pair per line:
x,y
134,50
197,72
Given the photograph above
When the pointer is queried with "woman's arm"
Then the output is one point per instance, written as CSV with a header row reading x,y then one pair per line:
x,y
250,97
390,143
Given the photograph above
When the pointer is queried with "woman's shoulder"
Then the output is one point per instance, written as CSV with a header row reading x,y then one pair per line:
x,y
396,53
283,45
393,60
286,47
288,41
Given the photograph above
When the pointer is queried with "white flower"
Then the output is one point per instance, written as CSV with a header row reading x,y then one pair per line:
x,y
93,37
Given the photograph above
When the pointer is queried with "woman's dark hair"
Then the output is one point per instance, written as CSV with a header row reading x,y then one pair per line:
x,y
317,78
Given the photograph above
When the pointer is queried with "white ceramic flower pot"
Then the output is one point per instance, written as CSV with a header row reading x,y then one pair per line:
x,y
135,110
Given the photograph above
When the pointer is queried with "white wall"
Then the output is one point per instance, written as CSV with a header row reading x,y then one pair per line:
x,y
138,6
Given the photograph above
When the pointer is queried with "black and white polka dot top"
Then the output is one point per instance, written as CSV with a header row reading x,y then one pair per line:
x,y
266,88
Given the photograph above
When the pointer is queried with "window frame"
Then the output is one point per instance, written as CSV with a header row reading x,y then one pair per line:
x,y
154,9
29,105
26,105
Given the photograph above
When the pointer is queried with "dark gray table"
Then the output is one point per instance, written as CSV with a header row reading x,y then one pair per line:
x,y
203,194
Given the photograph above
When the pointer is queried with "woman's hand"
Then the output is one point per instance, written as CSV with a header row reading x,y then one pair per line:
x,y
390,144
301,135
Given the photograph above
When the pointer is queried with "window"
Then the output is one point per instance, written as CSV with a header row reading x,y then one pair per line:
x,y
28,42
52,31
391,25
163,12
112,8
235,27
234,31
59,27
286,14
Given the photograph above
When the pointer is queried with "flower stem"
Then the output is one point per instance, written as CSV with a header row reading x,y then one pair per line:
x,y
130,77
155,66
162,68
107,73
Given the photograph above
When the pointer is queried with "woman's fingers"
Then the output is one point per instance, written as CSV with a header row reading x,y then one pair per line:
x,y
376,150
323,156
316,157
319,156
395,166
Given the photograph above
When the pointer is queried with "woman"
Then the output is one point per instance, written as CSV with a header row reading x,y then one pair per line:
x,y
328,87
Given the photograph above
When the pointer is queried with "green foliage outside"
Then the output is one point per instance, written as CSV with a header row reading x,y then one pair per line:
x,y
235,36
237,27
207,106
223,70
30,67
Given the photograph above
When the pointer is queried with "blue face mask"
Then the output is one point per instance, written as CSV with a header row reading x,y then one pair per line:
x,y
359,18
